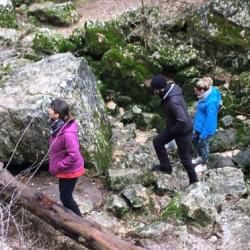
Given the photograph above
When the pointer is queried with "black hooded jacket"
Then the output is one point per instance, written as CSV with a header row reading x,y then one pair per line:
x,y
178,121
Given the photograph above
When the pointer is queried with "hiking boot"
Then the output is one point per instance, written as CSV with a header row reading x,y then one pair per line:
x,y
197,161
162,168
200,168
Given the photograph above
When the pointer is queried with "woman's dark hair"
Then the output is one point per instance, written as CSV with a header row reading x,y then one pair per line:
x,y
62,108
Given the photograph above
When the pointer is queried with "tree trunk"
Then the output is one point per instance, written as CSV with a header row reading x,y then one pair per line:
x,y
87,233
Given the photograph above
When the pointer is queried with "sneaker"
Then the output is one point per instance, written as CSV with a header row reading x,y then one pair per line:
x,y
197,161
200,168
161,168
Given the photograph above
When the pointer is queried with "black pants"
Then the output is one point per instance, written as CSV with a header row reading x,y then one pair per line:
x,y
66,188
184,145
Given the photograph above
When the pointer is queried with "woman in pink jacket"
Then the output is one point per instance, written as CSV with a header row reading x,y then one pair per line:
x,y
65,159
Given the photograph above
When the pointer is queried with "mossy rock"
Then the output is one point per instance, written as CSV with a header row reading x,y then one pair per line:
x,y
187,75
61,14
51,42
103,152
219,30
222,29
175,59
174,210
125,70
7,15
100,37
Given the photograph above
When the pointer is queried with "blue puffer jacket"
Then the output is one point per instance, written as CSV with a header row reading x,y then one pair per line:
x,y
205,120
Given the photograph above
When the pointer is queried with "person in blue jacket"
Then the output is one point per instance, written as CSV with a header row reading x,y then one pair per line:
x,y
205,120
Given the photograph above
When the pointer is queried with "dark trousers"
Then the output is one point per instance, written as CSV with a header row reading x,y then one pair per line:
x,y
66,188
201,146
184,145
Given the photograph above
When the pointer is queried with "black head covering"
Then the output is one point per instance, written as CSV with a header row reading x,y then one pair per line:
x,y
158,82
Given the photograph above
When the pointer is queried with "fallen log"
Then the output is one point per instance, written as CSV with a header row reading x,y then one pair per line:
x,y
87,233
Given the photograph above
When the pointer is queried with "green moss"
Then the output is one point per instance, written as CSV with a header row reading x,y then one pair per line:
x,y
201,218
125,71
103,150
5,70
77,37
100,37
50,42
174,210
7,17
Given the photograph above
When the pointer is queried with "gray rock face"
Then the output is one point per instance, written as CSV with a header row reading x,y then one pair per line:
x,y
243,158
156,230
136,195
223,140
235,223
26,95
120,178
116,205
219,161
236,11
197,206
225,181
9,36
171,183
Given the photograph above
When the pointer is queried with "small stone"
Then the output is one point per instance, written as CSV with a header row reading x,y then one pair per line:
x,y
111,105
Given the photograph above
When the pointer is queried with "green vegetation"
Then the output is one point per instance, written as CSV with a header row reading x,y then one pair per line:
x,y
7,17
103,149
50,42
100,37
174,209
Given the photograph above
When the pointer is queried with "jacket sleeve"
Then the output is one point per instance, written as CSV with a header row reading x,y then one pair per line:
x,y
180,116
210,122
72,149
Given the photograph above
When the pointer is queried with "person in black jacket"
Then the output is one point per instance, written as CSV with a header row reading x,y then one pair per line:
x,y
178,127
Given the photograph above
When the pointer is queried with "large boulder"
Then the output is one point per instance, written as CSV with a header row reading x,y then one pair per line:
x,y
193,205
222,27
222,182
223,140
7,14
61,14
120,178
26,96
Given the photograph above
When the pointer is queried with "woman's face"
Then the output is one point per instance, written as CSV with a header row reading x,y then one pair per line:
x,y
52,114
198,92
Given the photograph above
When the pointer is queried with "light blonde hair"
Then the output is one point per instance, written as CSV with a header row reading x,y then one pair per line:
x,y
204,83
